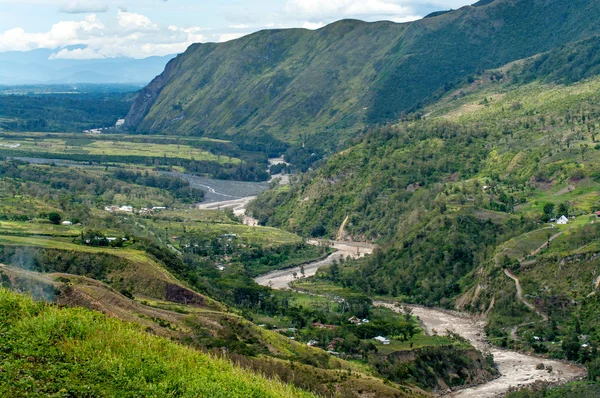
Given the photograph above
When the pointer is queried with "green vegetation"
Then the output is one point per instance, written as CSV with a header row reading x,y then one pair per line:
x,y
200,156
51,148
467,188
320,88
571,390
63,112
51,351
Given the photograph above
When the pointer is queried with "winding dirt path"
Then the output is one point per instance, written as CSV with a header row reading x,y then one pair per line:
x,y
539,249
532,307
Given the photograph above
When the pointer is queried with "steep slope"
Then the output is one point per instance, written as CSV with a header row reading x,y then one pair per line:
x,y
77,352
294,84
512,122
443,193
464,202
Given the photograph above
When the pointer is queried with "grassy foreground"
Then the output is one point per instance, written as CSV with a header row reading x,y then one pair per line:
x,y
47,351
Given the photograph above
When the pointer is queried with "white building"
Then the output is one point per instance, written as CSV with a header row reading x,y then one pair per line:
x,y
382,340
562,220
67,223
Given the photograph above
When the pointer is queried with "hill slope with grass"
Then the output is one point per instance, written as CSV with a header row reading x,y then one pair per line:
x,y
302,86
51,351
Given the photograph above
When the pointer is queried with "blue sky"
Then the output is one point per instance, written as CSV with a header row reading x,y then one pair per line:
x,y
140,28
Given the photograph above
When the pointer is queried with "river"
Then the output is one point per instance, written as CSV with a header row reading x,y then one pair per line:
x,y
216,190
517,369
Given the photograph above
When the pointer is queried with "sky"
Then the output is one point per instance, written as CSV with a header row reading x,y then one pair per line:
x,y
93,29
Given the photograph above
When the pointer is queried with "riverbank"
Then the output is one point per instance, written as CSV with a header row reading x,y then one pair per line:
x,y
517,369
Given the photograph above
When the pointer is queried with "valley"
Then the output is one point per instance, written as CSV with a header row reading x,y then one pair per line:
x,y
516,369
365,209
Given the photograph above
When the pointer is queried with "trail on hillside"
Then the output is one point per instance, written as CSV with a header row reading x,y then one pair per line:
x,y
539,249
532,307
340,234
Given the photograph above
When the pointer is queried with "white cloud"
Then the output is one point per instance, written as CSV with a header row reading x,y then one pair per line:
x,y
127,34
333,9
83,7
312,25
223,37
61,34
133,22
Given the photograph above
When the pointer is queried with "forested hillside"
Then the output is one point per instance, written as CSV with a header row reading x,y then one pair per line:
x,y
464,196
323,86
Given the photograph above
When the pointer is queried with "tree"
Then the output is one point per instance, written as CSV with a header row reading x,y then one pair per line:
x,y
549,209
54,218
563,209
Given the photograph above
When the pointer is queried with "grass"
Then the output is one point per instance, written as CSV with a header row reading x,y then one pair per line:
x,y
263,236
316,286
47,229
418,341
522,245
120,146
76,352
142,275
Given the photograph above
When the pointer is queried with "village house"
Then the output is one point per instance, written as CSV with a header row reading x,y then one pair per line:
x,y
67,223
382,340
354,320
312,343
562,220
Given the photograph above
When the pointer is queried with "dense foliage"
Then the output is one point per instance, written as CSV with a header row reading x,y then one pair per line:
x,y
329,83
179,187
62,112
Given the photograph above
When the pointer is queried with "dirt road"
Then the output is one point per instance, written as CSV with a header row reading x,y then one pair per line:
x,y
520,295
237,205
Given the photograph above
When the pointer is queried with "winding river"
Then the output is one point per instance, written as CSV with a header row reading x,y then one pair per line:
x,y
517,369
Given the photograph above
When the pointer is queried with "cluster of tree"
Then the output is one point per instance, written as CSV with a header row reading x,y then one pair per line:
x,y
426,265
432,364
551,211
242,171
179,187
78,189
62,112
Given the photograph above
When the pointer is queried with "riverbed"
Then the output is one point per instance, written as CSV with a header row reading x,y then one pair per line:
x,y
517,369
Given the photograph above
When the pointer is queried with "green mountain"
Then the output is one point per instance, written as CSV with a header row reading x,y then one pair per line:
x,y
323,86
462,198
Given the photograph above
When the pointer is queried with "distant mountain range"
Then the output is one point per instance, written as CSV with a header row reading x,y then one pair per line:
x,y
324,86
36,67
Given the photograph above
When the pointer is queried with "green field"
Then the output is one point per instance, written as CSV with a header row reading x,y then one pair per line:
x,y
118,147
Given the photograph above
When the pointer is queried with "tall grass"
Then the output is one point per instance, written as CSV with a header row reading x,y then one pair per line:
x,y
48,351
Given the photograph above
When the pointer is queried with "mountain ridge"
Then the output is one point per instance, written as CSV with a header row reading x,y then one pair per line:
x,y
325,86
